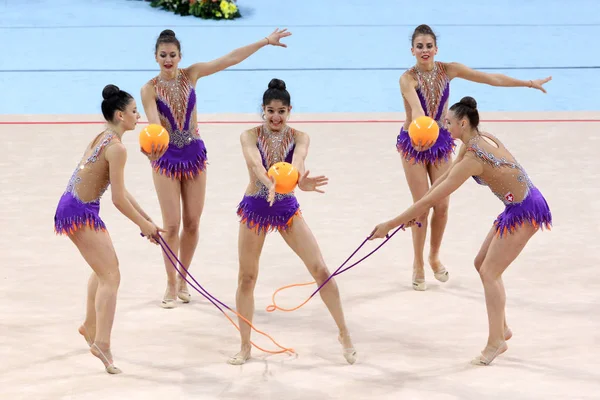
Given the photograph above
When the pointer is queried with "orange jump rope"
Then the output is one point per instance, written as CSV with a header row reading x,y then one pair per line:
x,y
216,302
222,306
274,306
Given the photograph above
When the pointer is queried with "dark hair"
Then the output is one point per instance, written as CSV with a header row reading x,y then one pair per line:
x,y
423,30
114,100
167,36
276,91
467,107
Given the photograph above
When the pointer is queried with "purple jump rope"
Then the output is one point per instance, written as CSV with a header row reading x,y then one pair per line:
x,y
340,270
169,253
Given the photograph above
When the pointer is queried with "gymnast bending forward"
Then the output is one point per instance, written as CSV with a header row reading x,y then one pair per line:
x,y
425,89
483,157
78,216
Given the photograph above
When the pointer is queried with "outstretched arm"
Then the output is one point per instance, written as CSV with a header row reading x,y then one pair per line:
x,y
254,162
116,155
305,183
302,142
457,70
198,70
407,88
149,104
466,168
461,154
135,205
151,111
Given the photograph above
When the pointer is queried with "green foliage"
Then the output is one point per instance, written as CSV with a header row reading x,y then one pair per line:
x,y
206,9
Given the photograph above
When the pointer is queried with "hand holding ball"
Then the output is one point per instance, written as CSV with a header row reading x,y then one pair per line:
x,y
156,135
285,175
423,132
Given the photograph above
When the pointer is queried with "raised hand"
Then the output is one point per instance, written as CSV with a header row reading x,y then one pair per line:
x,y
276,36
538,83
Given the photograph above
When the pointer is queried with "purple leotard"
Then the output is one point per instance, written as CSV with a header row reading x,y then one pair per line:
x,y
176,103
254,209
73,212
524,203
433,90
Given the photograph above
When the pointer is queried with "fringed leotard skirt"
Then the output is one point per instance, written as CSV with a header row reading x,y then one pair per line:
x,y
533,210
73,214
186,157
258,215
441,150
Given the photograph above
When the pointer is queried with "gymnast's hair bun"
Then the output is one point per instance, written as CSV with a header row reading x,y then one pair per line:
x,y
469,102
277,84
110,91
167,33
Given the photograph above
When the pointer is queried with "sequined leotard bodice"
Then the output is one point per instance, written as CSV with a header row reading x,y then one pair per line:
x,y
274,147
91,177
433,89
505,177
176,103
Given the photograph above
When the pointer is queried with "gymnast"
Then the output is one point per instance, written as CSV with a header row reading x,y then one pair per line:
x,y
485,158
425,90
179,175
78,217
262,210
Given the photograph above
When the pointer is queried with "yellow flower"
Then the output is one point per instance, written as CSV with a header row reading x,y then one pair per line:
x,y
227,8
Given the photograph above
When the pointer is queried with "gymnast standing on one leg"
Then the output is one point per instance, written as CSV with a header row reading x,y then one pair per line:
x,y
78,216
485,158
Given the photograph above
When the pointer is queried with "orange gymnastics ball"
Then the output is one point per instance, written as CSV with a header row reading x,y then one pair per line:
x,y
423,131
286,177
153,134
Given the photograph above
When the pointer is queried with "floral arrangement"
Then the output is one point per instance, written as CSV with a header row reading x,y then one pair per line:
x,y
206,9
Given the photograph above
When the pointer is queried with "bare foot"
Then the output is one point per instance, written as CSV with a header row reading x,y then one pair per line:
x,y
104,354
88,333
349,352
241,357
507,333
489,354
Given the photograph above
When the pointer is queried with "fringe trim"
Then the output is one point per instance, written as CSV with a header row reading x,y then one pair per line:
x,y
183,169
261,224
70,225
440,151
507,225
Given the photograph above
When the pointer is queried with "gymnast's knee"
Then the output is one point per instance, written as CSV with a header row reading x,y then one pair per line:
x,y
441,209
111,278
247,282
190,226
320,272
172,229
